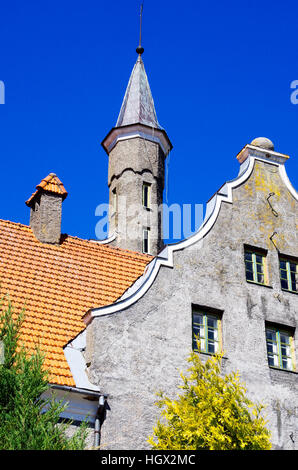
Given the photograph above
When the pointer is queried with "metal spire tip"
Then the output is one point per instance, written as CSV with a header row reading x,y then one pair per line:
x,y
140,49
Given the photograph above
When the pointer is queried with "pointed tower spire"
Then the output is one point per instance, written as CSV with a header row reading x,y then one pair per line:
x,y
137,113
138,105
137,147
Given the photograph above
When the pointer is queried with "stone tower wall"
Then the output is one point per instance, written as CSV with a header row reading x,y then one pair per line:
x,y
133,162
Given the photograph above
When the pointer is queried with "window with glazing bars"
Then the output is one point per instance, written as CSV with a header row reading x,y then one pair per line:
x,y
280,348
255,266
205,329
288,274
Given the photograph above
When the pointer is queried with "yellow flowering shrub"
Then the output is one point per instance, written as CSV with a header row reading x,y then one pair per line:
x,y
212,413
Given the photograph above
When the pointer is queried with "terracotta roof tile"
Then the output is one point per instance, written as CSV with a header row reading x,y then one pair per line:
x,y
51,184
58,284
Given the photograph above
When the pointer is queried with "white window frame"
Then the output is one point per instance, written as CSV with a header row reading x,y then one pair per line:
x,y
281,353
202,328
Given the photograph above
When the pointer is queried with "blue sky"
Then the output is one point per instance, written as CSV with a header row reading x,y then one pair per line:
x,y
220,75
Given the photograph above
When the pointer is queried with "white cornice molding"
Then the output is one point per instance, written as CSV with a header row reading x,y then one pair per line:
x,y
137,130
165,258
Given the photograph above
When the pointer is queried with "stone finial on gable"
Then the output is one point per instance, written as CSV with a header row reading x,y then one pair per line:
x,y
263,148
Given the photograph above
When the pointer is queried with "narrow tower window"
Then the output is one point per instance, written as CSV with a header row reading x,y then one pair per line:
x,y
146,240
146,195
114,201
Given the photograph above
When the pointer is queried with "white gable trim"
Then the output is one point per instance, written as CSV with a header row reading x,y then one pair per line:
x,y
165,258
77,363
106,240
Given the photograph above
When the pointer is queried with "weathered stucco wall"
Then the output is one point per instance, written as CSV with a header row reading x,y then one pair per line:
x,y
141,350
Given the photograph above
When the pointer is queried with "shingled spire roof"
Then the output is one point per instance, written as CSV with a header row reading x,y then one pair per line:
x,y
138,104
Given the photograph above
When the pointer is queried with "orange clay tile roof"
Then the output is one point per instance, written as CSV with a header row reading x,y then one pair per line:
x,y
51,184
58,284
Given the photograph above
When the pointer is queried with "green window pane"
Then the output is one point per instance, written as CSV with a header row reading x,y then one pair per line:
x,y
284,338
283,274
273,360
259,259
211,334
284,284
249,270
198,318
269,348
293,267
211,321
260,268
249,265
270,335
285,363
198,330
283,265
294,281
270,360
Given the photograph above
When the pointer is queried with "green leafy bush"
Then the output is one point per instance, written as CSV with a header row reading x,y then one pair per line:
x,y
27,422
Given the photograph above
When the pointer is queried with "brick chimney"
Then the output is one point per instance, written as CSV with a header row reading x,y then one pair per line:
x,y
46,209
